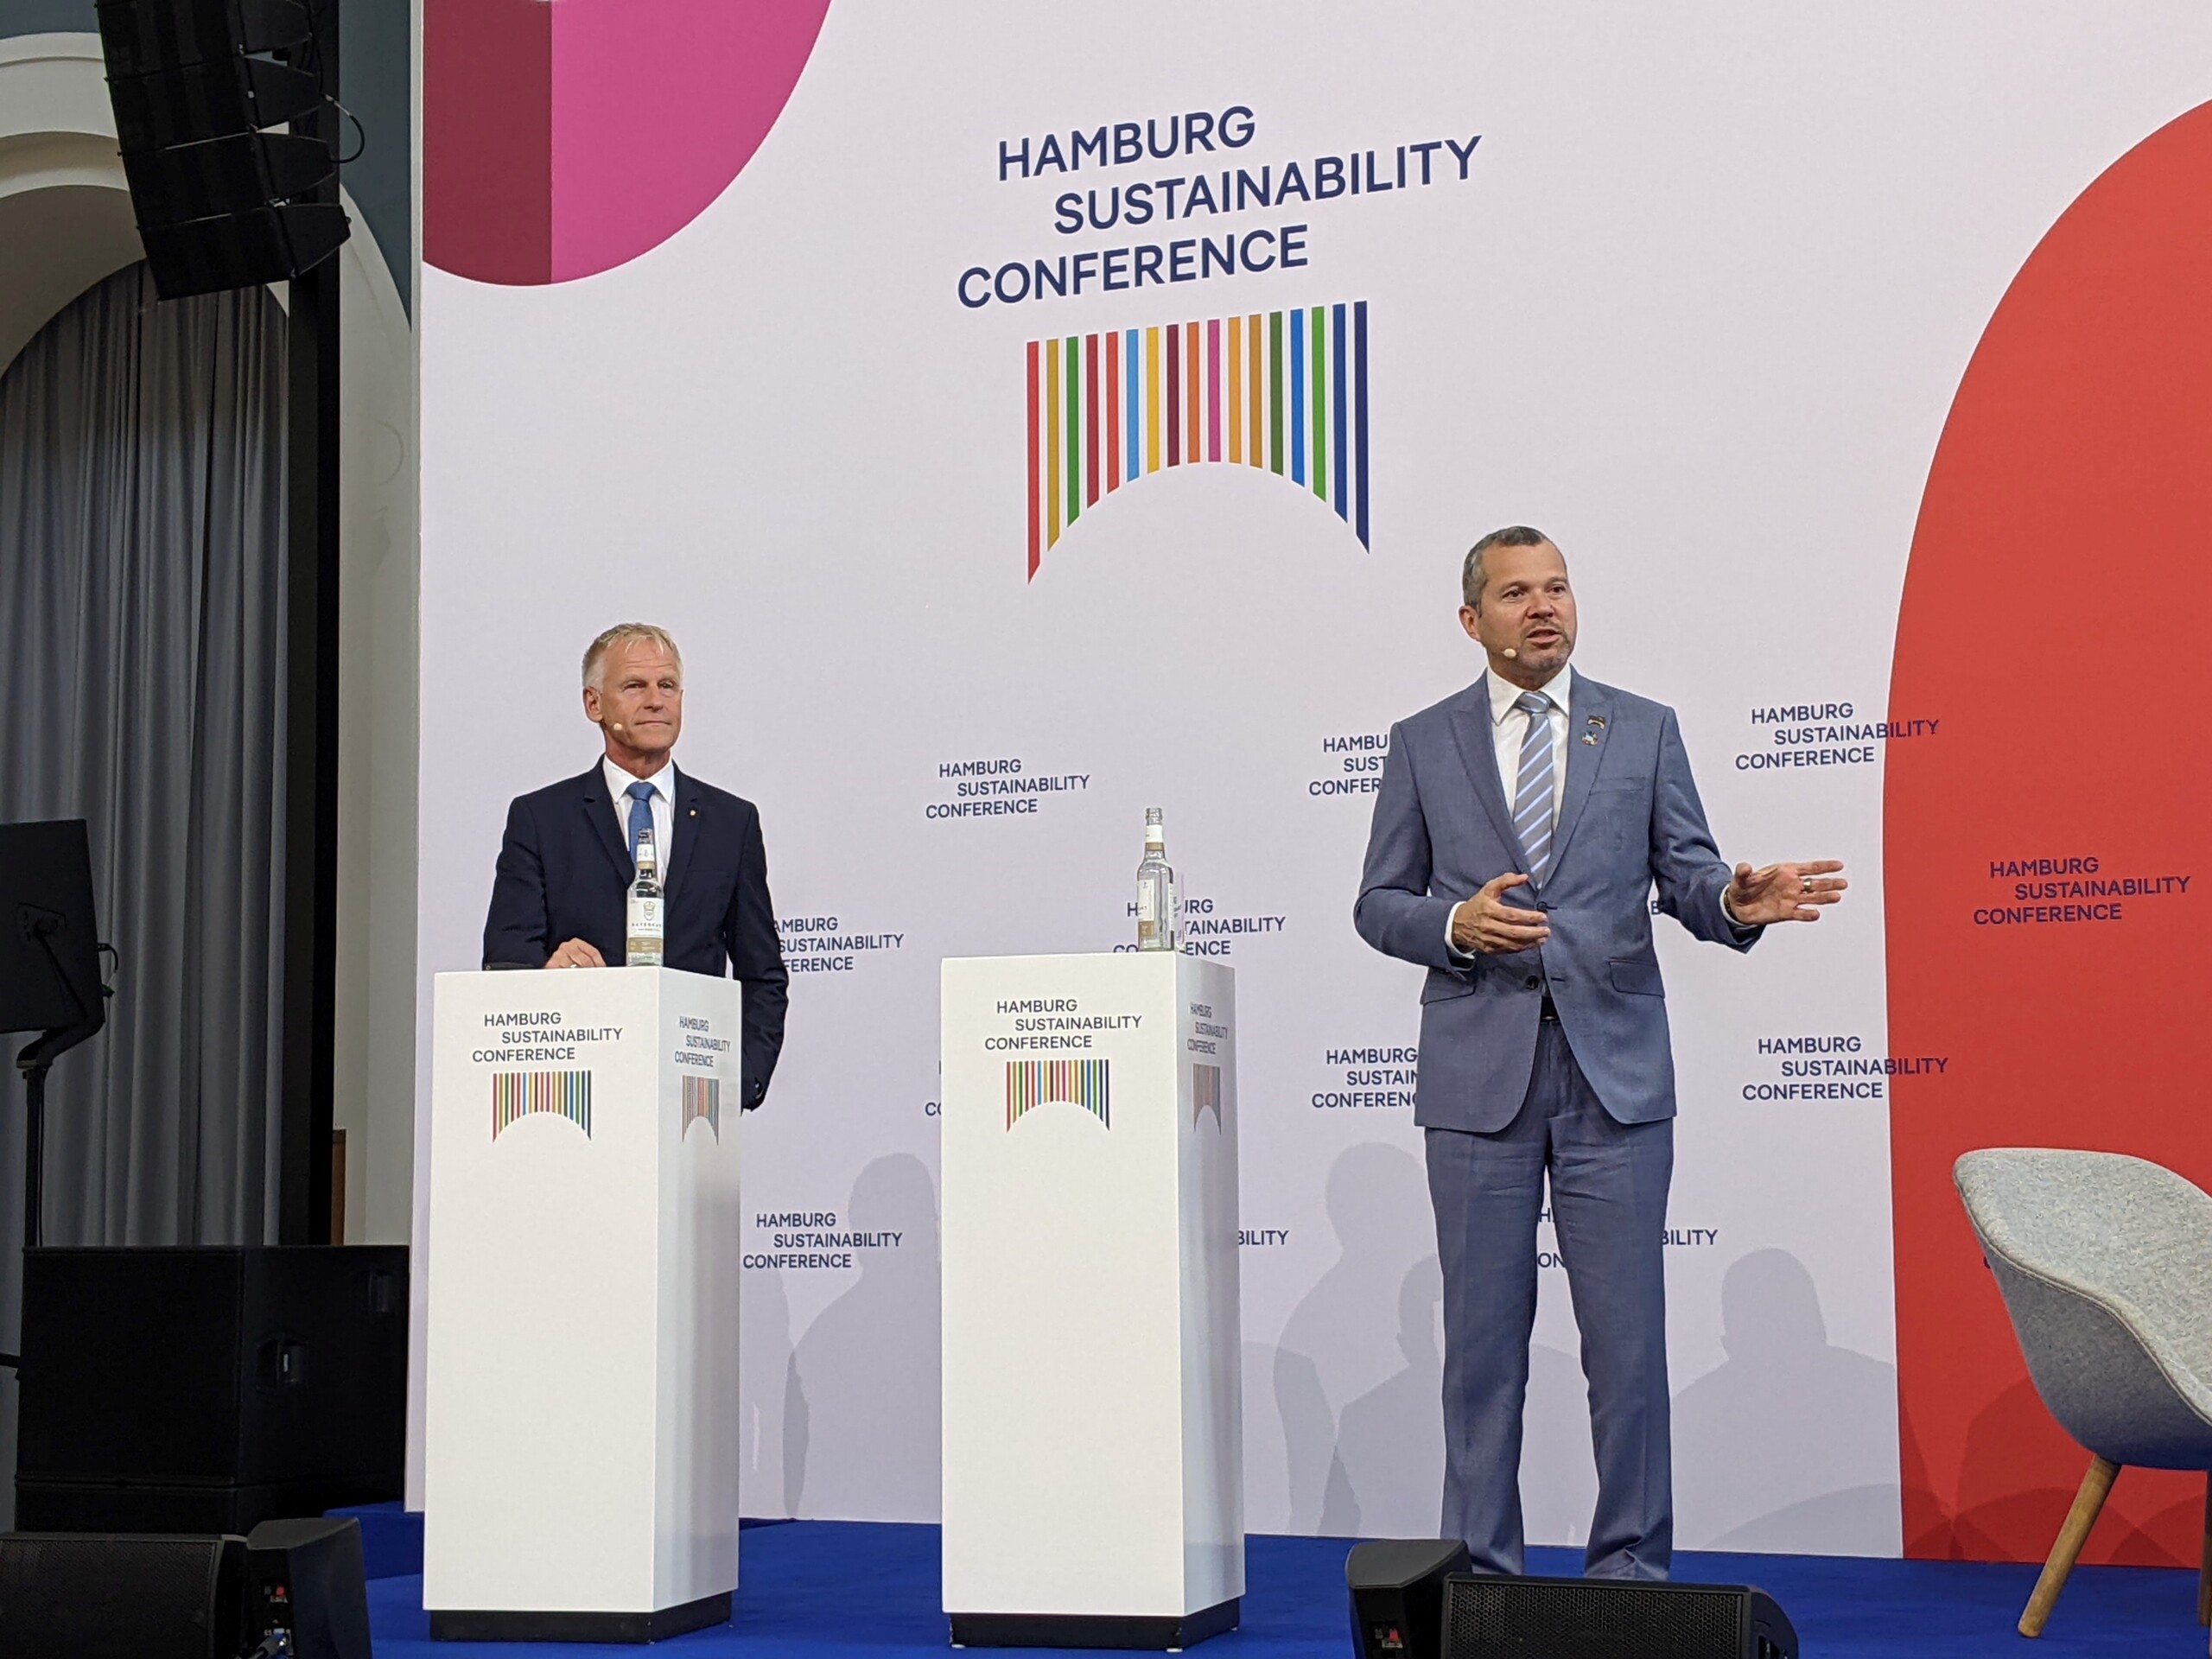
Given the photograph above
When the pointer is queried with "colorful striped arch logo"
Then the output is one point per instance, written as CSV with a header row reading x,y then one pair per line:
x,y
1031,1084
1283,391
702,1099
515,1095
1205,1094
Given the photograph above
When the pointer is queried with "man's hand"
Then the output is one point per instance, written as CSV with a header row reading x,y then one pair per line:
x,y
1784,892
1487,925
576,953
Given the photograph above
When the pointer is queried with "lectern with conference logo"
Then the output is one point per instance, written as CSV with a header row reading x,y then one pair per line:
x,y
582,1440
1093,1427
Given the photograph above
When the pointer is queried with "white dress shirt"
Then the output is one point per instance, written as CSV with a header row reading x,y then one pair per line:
x,y
1509,730
664,808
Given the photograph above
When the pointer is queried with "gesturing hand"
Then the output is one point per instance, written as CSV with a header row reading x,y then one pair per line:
x,y
1785,893
1487,924
576,953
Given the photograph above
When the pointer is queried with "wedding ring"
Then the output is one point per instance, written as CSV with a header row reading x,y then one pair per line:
x,y
1807,881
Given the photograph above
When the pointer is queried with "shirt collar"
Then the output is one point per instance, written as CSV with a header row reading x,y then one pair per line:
x,y
619,781
1503,693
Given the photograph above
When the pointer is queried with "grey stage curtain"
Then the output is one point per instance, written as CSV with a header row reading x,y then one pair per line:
x,y
142,526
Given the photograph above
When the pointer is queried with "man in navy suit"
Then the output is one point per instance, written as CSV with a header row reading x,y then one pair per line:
x,y
1521,829
560,896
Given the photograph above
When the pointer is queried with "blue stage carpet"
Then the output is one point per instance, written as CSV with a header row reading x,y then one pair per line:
x,y
829,1589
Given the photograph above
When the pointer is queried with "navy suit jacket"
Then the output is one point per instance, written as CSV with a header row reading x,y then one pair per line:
x,y
564,874
1630,822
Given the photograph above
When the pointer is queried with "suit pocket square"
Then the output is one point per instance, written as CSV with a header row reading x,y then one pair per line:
x,y
1637,978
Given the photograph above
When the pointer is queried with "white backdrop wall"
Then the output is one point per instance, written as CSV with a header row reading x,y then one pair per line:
x,y
1697,308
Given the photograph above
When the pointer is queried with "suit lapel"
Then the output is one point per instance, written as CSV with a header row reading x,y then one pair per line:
x,y
1471,726
599,808
1588,711
683,831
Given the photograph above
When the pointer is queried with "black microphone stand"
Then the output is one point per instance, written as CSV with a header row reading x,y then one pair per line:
x,y
34,1061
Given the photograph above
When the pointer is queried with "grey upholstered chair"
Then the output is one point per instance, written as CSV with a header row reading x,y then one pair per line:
x,y
2105,1263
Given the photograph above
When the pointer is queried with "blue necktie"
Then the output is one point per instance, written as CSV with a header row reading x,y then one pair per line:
x,y
641,817
1532,794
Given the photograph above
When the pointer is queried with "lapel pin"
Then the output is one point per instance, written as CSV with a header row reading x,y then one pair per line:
x,y
1590,738
1598,721
694,811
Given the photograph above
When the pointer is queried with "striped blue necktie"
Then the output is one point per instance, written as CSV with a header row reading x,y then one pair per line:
x,y
1532,794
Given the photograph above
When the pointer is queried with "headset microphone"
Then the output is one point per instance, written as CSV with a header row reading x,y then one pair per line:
x,y
1509,651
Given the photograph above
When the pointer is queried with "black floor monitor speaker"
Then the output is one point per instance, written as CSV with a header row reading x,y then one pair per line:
x,y
1487,1617
1397,1595
206,1390
307,1580
68,1596
196,84
295,1588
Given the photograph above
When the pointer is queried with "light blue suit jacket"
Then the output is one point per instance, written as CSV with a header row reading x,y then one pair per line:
x,y
1630,822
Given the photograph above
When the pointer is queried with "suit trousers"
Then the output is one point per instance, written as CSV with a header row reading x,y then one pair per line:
x,y
1609,1184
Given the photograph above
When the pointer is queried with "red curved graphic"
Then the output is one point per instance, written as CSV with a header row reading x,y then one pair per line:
x,y
564,138
2052,621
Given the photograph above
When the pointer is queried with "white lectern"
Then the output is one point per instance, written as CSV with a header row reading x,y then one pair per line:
x,y
1093,1415
582,1442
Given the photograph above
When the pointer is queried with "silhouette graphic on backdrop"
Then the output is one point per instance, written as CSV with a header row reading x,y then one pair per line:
x,y
1391,1441
768,1393
865,1402
1786,1414
1342,1340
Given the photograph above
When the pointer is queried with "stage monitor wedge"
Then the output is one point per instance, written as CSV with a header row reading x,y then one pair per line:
x,y
1397,1595
111,1596
1498,1617
307,1580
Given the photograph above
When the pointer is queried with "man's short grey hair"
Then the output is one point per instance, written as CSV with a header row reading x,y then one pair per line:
x,y
1470,573
624,633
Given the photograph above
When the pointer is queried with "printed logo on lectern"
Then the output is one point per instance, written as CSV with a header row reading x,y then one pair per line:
x,y
515,1095
1031,1084
702,1099
1282,391
1205,1094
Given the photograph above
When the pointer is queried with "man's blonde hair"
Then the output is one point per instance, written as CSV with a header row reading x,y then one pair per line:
x,y
623,634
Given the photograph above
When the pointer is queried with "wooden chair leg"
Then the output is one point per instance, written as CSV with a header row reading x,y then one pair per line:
x,y
2096,1486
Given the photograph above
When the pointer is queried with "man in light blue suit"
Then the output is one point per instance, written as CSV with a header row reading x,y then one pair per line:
x,y
1521,831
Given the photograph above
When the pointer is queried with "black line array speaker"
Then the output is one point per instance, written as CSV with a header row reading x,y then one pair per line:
x,y
220,202
207,1389
1397,1595
1487,1617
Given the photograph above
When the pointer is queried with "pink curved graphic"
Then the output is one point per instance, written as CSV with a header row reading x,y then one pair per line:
x,y
564,138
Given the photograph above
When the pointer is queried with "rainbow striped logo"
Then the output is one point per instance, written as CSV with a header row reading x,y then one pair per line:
x,y
515,1095
1031,1084
703,1098
1205,1093
1285,392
